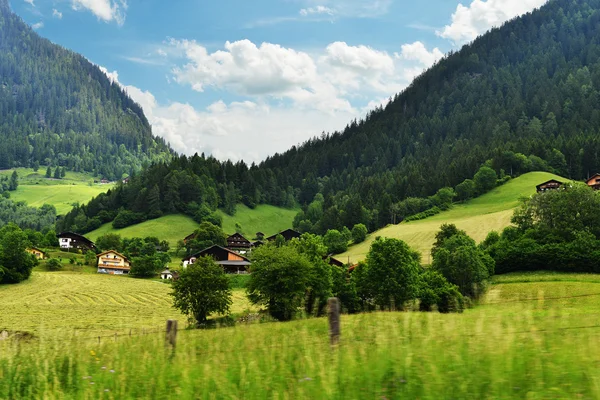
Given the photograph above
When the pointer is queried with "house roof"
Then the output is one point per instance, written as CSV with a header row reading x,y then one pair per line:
x,y
35,248
76,236
550,181
113,251
234,263
166,271
287,234
333,261
595,176
214,247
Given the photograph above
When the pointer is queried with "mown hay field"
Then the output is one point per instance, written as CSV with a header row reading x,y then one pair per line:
x,y
531,337
479,216
89,304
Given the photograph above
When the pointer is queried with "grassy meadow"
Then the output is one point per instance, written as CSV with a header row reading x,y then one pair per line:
x,y
265,218
37,190
530,337
477,217
86,303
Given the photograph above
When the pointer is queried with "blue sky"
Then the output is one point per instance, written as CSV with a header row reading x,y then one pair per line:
x,y
245,79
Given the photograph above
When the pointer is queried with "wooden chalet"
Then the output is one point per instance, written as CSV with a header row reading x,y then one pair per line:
x,y
189,237
552,184
288,235
259,236
113,263
239,243
594,182
232,262
333,261
39,254
258,243
70,240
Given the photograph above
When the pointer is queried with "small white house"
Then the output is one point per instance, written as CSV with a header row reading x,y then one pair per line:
x,y
166,274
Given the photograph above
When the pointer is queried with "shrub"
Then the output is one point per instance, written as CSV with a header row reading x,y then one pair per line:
x,y
54,264
359,233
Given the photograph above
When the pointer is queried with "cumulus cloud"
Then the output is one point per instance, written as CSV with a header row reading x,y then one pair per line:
x,y
105,10
474,20
38,25
57,14
418,52
30,2
285,96
316,10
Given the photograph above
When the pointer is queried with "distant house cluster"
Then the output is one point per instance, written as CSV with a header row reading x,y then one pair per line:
x,y
553,184
234,258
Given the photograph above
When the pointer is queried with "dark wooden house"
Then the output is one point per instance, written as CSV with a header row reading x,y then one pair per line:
x,y
232,262
552,184
288,234
238,242
594,182
333,261
70,240
189,237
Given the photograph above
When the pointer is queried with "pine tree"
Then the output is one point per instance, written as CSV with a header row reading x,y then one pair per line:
x,y
57,173
49,172
14,181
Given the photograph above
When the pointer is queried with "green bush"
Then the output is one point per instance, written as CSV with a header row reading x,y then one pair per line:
x,y
54,264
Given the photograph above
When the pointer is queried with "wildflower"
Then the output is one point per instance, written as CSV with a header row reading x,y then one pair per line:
x,y
92,353
103,368
112,371
97,359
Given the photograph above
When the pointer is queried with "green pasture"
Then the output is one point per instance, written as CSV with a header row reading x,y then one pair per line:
x,y
477,217
264,218
37,190
532,340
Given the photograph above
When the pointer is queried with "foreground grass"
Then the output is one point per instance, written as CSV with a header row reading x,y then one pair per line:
x,y
477,217
88,304
36,190
521,342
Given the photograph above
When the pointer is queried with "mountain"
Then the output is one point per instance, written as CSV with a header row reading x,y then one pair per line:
x,y
523,97
57,108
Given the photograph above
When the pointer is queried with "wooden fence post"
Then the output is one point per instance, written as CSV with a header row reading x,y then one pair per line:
x,y
333,305
171,336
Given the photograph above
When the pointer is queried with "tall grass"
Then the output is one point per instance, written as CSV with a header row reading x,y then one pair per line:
x,y
385,355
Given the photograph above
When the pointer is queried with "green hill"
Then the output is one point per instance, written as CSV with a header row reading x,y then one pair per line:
x,y
477,217
56,105
37,190
264,218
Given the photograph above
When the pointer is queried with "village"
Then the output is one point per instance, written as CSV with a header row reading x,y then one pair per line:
x,y
234,258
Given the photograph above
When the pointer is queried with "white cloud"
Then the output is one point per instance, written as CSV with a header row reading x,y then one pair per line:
x,y
57,14
316,10
37,25
286,96
474,20
112,76
418,52
106,10
353,8
30,2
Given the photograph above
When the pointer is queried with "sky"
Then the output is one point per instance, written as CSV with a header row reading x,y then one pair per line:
x,y
243,79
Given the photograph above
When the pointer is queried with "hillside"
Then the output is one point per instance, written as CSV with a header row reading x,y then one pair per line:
x,y
36,190
56,107
514,344
172,228
477,217
523,97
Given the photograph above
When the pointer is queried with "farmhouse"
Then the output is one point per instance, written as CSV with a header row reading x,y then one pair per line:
x,y
333,261
232,262
39,254
552,184
189,237
70,240
238,243
113,263
594,182
288,235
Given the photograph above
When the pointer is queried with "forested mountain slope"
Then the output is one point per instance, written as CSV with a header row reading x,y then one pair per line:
x,y
58,108
520,98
